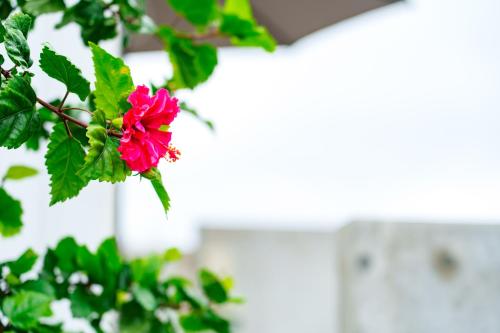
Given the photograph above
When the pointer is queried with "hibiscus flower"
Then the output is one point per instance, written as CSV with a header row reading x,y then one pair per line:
x,y
146,138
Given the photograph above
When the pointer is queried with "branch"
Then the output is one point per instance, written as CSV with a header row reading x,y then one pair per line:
x,y
194,36
61,114
59,110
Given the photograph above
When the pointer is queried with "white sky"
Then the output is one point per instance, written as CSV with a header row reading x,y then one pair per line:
x,y
391,115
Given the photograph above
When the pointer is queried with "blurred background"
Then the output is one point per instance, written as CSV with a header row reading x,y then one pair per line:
x,y
351,184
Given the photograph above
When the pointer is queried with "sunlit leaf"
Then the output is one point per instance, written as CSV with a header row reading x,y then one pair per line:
x,y
113,83
64,158
61,69
18,117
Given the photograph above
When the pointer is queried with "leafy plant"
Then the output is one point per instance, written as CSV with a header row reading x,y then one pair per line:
x,y
100,283
115,129
79,151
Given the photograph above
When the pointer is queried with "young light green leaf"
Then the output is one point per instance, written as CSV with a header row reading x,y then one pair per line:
x,y
10,214
24,263
60,68
198,12
17,172
192,63
113,83
18,118
172,255
25,309
103,160
38,7
240,8
65,156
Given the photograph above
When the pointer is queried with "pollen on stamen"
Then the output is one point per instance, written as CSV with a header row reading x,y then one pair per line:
x,y
173,154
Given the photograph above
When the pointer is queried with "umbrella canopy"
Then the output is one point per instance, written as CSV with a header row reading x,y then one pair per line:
x,y
287,20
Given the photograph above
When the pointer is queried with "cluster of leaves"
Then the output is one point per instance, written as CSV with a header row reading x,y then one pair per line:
x,y
78,152
102,283
75,155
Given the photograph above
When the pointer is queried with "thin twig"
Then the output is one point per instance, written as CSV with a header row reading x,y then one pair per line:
x,y
61,114
79,109
59,109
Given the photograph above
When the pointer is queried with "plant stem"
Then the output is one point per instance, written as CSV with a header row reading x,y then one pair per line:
x,y
208,35
79,109
61,114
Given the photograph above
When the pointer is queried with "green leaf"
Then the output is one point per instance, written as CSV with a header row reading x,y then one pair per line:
x,y
246,32
146,271
5,9
16,172
10,215
206,320
110,257
16,45
193,323
25,309
18,118
61,69
212,286
66,255
19,21
90,264
91,16
144,297
194,113
65,156
82,303
40,286
45,328
192,63
103,160
198,12
41,133
38,7
113,83
133,319
154,176
24,263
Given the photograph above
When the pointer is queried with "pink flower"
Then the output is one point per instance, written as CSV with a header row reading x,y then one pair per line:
x,y
145,137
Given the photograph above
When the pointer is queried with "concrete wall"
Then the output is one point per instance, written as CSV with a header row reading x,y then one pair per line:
x,y
419,278
364,278
287,278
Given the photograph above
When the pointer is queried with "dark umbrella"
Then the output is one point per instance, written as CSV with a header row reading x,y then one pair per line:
x,y
287,20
